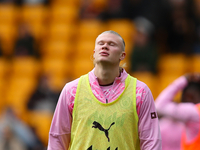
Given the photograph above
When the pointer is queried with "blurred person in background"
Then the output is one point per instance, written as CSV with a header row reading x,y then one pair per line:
x,y
106,108
196,16
116,9
110,9
180,122
44,98
17,135
144,55
180,28
10,141
30,2
131,9
7,1
25,44
90,10
120,9
1,51
35,2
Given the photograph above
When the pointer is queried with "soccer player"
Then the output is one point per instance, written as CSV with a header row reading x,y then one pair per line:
x,y
180,122
106,108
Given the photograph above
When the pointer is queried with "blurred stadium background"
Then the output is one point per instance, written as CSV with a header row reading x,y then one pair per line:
x,y
66,42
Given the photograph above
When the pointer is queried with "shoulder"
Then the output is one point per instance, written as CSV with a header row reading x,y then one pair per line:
x,y
70,85
142,87
67,95
144,96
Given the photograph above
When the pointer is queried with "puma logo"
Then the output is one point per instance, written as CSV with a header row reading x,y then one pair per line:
x,y
90,148
97,125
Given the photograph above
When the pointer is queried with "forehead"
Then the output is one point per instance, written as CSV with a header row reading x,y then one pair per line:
x,y
108,37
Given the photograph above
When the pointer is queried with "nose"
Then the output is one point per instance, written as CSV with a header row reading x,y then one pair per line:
x,y
105,46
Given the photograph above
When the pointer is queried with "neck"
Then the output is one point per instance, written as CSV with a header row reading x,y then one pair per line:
x,y
106,75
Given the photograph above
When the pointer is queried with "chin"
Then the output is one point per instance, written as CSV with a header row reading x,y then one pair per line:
x,y
103,60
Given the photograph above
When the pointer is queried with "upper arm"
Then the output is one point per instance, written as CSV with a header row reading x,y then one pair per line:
x,y
183,112
61,122
60,131
149,130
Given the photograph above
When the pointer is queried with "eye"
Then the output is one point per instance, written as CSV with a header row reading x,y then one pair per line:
x,y
100,43
111,44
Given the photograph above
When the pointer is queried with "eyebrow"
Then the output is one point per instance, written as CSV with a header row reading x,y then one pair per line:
x,y
110,41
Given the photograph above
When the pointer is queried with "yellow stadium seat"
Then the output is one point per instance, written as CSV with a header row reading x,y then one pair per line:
x,y
35,17
4,67
85,49
124,27
4,72
18,92
8,33
33,14
195,63
3,88
82,66
8,14
58,82
61,31
59,71
64,14
38,31
173,64
53,66
25,67
57,49
89,29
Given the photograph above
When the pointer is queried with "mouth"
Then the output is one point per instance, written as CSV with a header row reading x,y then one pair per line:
x,y
103,53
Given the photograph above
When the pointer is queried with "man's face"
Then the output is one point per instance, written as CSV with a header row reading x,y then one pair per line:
x,y
108,49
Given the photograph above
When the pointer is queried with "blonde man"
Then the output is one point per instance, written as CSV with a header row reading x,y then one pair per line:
x,y
106,108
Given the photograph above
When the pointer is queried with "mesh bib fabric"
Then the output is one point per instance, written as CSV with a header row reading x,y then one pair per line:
x,y
100,126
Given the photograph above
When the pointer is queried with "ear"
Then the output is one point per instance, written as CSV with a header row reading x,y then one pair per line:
x,y
93,53
123,55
